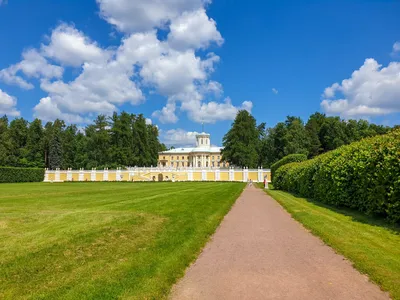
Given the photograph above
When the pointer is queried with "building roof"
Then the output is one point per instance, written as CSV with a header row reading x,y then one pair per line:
x,y
193,150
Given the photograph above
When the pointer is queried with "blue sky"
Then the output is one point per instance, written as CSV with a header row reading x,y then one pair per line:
x,y
188,61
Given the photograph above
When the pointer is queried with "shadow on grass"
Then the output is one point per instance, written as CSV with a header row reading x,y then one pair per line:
x,y
355,215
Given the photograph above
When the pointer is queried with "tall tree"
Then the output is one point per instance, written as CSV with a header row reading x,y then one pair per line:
x,y
55,153
296,139
313,128
241,142
34,145
5,143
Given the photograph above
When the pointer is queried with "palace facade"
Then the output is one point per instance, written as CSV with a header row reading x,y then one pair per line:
x,y
201,156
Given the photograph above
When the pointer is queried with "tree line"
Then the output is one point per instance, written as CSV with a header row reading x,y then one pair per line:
x,y
247,144
118,141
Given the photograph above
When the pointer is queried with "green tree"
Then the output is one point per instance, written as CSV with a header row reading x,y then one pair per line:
x,y
313,128
295,140
18,135
55,152
241,142
5,143
34,145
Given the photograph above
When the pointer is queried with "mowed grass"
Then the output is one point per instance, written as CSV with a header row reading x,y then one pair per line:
x,y
104,240
372,245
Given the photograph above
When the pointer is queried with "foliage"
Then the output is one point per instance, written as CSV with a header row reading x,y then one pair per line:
x,y
286,160
12,175
122,140
104,240
364,175
242,142
371,244
319,135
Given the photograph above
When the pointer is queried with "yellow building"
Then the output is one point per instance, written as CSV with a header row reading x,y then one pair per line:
x,y
202,156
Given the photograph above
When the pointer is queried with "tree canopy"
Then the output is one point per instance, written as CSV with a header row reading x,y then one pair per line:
x,y
118,141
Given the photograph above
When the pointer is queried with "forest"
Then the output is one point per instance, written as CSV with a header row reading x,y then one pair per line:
x,y
120,140
252,145
126,140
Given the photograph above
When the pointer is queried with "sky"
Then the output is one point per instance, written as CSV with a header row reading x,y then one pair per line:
x,y
182,63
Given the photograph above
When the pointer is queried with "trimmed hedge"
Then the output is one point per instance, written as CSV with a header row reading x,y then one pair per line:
x,y
286,160
10,175
364,175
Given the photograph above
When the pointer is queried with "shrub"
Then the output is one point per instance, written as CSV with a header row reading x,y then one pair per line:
x,y
286,160
11,175
364,175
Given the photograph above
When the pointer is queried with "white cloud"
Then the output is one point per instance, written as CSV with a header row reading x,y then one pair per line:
x,y
372,90
212,112
142,15
32,65
166,114
396,47
71,47
275,91
110,77
48,110
8,104
149,121
193,30
179,137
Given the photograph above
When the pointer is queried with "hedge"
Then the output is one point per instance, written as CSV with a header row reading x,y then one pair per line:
x,y
10,175
364,175
286,160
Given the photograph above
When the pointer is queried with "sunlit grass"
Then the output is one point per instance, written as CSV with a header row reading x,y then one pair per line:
x,y
104,240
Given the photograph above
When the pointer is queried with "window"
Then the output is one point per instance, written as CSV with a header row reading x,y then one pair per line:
x,y
213,158
183,158
199,164
213,164
172,158
218,157
177,164
201,141
207,164
164,158
172,164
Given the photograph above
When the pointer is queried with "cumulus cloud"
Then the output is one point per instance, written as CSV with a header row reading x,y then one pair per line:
x,y
8,105
371,90
143,15
110,77
32,65
194,30
179,137
71,47
212,112
396,47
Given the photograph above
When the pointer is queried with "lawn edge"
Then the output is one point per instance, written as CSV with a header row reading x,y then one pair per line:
x,y
323,240
201,250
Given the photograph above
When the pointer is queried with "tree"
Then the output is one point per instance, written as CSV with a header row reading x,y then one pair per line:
x,y
34,144
55,153
296,139
241,142
313,128
5,143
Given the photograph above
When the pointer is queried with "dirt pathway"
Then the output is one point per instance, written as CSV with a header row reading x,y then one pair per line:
x,y
260,252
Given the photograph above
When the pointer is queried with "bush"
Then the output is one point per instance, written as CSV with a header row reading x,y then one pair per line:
x,y
286,160
10,175
364,175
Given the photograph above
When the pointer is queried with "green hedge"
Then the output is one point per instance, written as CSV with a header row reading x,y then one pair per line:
x,y
11,175
364,175
286,160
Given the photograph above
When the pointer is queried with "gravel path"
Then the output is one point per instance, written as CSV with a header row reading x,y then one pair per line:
x,y
260,252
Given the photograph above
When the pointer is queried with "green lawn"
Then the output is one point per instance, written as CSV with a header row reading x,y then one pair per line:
x,y
371,244
104,240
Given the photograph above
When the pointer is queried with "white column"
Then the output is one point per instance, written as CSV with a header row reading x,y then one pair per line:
x,y
203,175
118,174
46,175
105,174
231,174
93,175
81,174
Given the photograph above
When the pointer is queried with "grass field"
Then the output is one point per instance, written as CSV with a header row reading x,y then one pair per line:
x,y
104,240
371,244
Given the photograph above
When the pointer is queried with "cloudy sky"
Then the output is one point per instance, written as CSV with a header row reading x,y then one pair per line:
x,y
184,62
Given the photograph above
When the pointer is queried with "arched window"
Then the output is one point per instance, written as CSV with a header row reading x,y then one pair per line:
x,y
199,164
